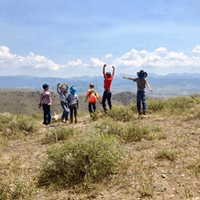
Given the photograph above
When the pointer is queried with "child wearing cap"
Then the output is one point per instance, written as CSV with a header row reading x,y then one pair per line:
x,y
141,83
62,91
92,97
107,85
45,101
73,103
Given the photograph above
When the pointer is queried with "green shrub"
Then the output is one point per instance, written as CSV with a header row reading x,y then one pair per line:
x,y
178,104
135,133
111,127
59,133
155,105
4,120
121,113
38,116
169,154
129,131
4,190
82,161
26,123
21,190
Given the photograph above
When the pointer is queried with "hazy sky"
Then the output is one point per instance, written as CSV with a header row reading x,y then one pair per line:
x,y
64,38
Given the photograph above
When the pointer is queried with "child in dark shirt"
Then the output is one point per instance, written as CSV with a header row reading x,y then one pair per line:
x,y
141,83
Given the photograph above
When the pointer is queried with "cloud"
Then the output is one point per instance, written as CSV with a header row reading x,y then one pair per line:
x,y
96,62
107,56
77,63
31,60
196,49
161,58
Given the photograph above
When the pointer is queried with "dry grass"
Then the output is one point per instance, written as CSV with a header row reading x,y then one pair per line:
x,y
161,159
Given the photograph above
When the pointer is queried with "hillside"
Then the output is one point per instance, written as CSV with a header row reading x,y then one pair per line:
x,y
119,155
26,101
163,86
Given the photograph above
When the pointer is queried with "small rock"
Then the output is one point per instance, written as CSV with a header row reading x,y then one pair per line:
x,y
163,176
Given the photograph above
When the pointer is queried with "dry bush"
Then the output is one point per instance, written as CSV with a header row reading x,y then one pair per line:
x,y
121,113
169,154
16,125
195,167
58,133
81,162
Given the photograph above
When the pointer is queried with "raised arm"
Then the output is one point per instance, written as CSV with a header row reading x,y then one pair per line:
x,y
104,69
113,73
58,90
128,78
148,86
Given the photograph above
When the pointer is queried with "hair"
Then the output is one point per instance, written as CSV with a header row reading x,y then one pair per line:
x,y
108,74
45,86
91,85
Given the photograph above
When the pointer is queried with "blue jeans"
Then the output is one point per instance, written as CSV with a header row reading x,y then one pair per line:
x,y
65,110
107,96
92,107
47,114
141,99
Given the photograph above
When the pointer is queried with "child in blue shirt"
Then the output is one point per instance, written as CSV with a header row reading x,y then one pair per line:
x,y
73,103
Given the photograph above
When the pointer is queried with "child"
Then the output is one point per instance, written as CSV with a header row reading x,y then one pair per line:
x,y
62,91
107,84
92,97
45,101
73,104
141,83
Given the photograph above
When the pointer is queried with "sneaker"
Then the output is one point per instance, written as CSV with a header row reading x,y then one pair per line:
x,y
139,112
144,113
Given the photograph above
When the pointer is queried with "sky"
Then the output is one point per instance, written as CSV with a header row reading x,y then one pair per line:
x,y
71,38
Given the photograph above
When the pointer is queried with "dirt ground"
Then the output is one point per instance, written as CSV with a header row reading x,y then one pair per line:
x,y
160,179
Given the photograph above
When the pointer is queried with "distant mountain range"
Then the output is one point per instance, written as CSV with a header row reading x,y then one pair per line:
x,y
168,85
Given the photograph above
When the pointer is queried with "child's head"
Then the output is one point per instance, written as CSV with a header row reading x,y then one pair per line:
x,y
91,85
62,87
108,74
142,74
45,86
73,90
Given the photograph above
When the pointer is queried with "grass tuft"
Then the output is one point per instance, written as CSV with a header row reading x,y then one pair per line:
x,y
59,133
84,161
169,154
121,113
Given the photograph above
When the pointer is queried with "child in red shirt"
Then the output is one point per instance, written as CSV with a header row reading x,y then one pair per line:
x,y
92,97
107,84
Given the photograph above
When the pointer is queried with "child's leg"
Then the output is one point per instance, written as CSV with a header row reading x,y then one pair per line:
x,y
90,107
49,115
138,101
65,110
109,99
45,114
75,113
94,106
104,100
143,97
71,114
